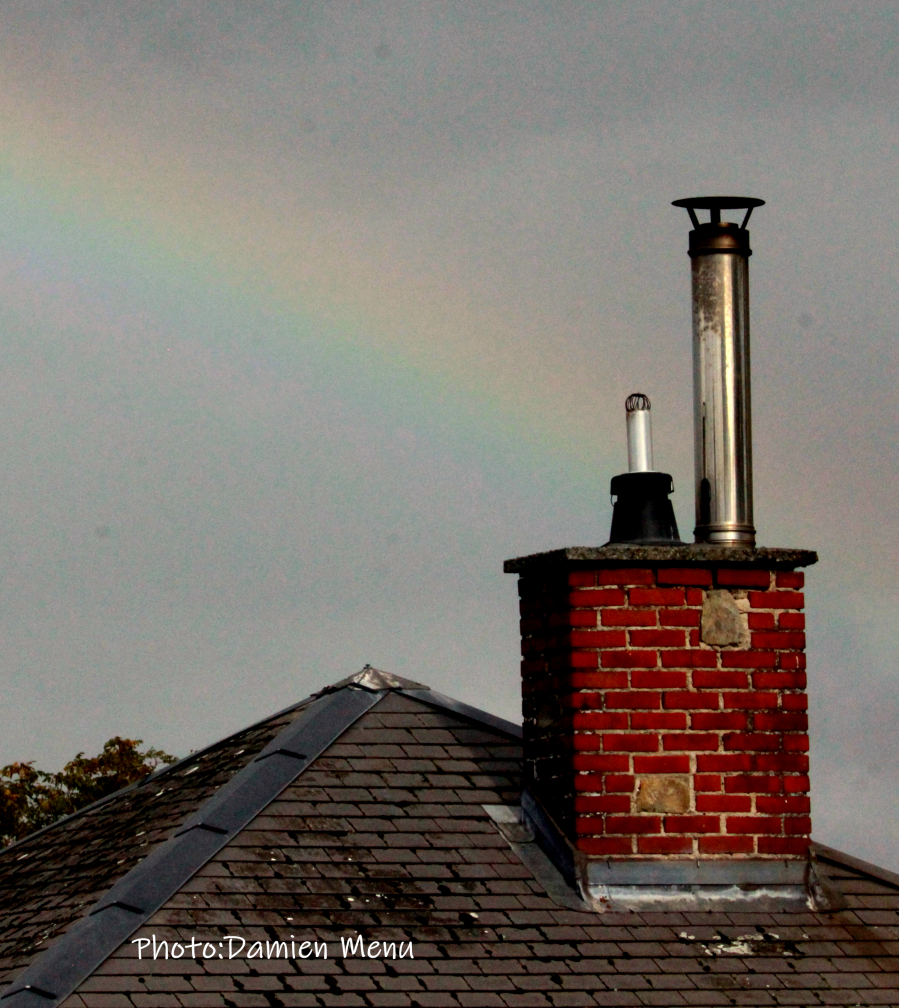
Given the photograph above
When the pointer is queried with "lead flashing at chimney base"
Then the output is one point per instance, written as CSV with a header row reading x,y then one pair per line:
x,y
664,708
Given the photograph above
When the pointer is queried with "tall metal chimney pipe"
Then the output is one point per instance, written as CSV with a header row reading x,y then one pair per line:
x,y
719,253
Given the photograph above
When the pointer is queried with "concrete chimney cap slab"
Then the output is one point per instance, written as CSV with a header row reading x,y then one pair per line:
x,y
700,554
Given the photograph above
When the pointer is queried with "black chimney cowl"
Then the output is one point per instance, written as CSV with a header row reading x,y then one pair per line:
x,y
642,513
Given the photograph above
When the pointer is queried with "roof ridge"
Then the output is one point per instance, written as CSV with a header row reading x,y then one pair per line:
x,y
856,864
161,771
371,678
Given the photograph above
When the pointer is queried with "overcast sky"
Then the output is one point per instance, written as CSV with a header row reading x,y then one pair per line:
x,y
314,313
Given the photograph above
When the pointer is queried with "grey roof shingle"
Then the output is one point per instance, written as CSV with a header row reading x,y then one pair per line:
x,y
384,836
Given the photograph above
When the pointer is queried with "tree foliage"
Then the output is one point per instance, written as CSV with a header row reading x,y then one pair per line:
x,y
31,799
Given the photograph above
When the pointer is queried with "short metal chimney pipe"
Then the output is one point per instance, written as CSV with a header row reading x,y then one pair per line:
x,y
719,253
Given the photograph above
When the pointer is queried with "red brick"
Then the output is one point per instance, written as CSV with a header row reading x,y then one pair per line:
x,y
789,579
794,701
723,803
652,719
692,700
761,620
588,825
752,784
684,576
748,659
783,845
717,721
620,782
656,596
581,579
605,845
596,597
582,761
630,743
775,762
657,679
695,596
791,621
689,659
776,600
724,763
625,576
530,646
692,824
795,743
752,824
661,764
598,720
597,638
680,617
634,700
791,660
584,659
797,825
749,701
588,782
786,639
774,805
781,722
706,782
658,638
694,639
689,742
752,742
582,617
587,742
720,679
629,659
602,803
628,617
583,701
795,783
743,578
599,680
633,824
533,667
726,845
664,845
779,680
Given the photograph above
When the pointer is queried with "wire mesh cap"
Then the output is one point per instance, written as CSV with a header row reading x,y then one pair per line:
x,y
637,401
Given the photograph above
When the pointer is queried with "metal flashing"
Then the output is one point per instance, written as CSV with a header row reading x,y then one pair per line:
x,y
148,886
371,678
663,884
513,825
697,872
550,838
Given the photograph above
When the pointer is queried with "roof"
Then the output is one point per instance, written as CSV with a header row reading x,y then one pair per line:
x,y
380,809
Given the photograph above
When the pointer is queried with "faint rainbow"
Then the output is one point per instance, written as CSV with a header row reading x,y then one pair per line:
x,y
297,260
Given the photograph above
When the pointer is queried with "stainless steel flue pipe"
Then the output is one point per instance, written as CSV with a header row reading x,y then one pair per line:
x,y
719,253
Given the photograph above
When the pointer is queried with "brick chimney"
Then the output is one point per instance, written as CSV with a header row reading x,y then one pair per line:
x,y
664,703
665,727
